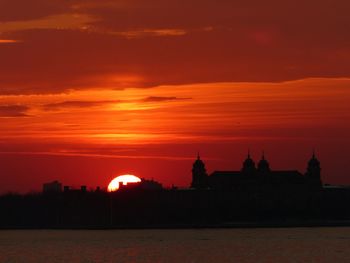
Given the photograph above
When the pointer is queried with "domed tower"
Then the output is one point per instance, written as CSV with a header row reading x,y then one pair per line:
x,y
199,174
263,165
313,172
249,166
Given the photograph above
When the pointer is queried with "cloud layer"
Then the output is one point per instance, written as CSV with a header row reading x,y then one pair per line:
x,y
65,45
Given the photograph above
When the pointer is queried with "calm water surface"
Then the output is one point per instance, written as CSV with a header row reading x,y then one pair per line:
x,y
209,245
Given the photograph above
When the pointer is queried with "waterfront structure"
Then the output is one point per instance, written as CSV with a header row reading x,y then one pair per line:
x,y
260,175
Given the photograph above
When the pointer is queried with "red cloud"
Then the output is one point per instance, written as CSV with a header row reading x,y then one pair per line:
x,y
247,41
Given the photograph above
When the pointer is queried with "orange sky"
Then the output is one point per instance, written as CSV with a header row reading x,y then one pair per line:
x,y
93,89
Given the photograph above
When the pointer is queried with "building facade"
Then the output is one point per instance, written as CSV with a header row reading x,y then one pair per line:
x,y
259,175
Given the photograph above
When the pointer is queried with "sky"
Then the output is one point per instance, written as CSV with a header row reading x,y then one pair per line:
x,y
92,89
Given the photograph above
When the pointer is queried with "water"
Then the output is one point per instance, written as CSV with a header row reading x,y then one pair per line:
x,y
207,245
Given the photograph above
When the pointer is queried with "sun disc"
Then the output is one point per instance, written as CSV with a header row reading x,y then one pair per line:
x,y
124,179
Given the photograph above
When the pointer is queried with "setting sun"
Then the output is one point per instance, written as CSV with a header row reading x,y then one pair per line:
x,y
124,179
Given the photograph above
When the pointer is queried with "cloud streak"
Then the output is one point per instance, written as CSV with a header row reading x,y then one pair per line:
x,y
8,41
78,104
13,111
100,155
57,22
163,99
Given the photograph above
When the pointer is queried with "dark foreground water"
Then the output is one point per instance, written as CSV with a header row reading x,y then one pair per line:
x,y
208,245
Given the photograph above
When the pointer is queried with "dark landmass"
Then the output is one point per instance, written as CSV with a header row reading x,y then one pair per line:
x,y
175,208
255,196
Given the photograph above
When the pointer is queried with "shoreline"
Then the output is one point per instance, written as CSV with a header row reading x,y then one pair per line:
x,y
228,225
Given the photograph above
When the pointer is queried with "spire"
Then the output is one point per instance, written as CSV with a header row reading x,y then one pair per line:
x,y
198,156
263,155
248,153
313,153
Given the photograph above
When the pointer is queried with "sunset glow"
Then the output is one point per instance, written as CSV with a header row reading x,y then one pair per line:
x,y
7,41
97,87
124,180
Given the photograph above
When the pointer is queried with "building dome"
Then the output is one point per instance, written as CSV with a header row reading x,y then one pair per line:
x,y
198,162
199,174
314,162
249,162
249,166
313,172
263,165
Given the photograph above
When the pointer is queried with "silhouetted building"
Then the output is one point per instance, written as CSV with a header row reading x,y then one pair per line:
x,y
263,165
150,185
259,176
143,185
254,194
52,187
199,174
249,168
69,189
313,172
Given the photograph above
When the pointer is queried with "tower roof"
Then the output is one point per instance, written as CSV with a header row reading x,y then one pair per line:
x,y
249,161
314,161
263,163
198,161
